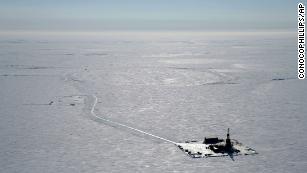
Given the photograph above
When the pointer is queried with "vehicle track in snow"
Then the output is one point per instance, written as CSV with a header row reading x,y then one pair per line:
x,y
124,125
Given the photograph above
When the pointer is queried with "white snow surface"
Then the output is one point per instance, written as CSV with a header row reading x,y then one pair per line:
x,y
173,86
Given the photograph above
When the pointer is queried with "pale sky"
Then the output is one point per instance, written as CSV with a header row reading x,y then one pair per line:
x,y
100,15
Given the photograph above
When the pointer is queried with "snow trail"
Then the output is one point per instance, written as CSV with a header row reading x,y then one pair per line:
x,y
126,126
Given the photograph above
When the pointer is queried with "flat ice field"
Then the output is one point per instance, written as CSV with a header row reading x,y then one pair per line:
x,y
117,102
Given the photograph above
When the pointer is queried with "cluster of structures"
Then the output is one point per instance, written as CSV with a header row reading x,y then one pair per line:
x,y
215,147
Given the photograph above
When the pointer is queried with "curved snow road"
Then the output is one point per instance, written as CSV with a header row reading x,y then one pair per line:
x,y
126,126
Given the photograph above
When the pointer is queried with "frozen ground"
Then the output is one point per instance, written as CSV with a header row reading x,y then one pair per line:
x,y
178,86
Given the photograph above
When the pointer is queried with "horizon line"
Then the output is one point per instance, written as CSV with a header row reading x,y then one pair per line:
x,y
72,32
